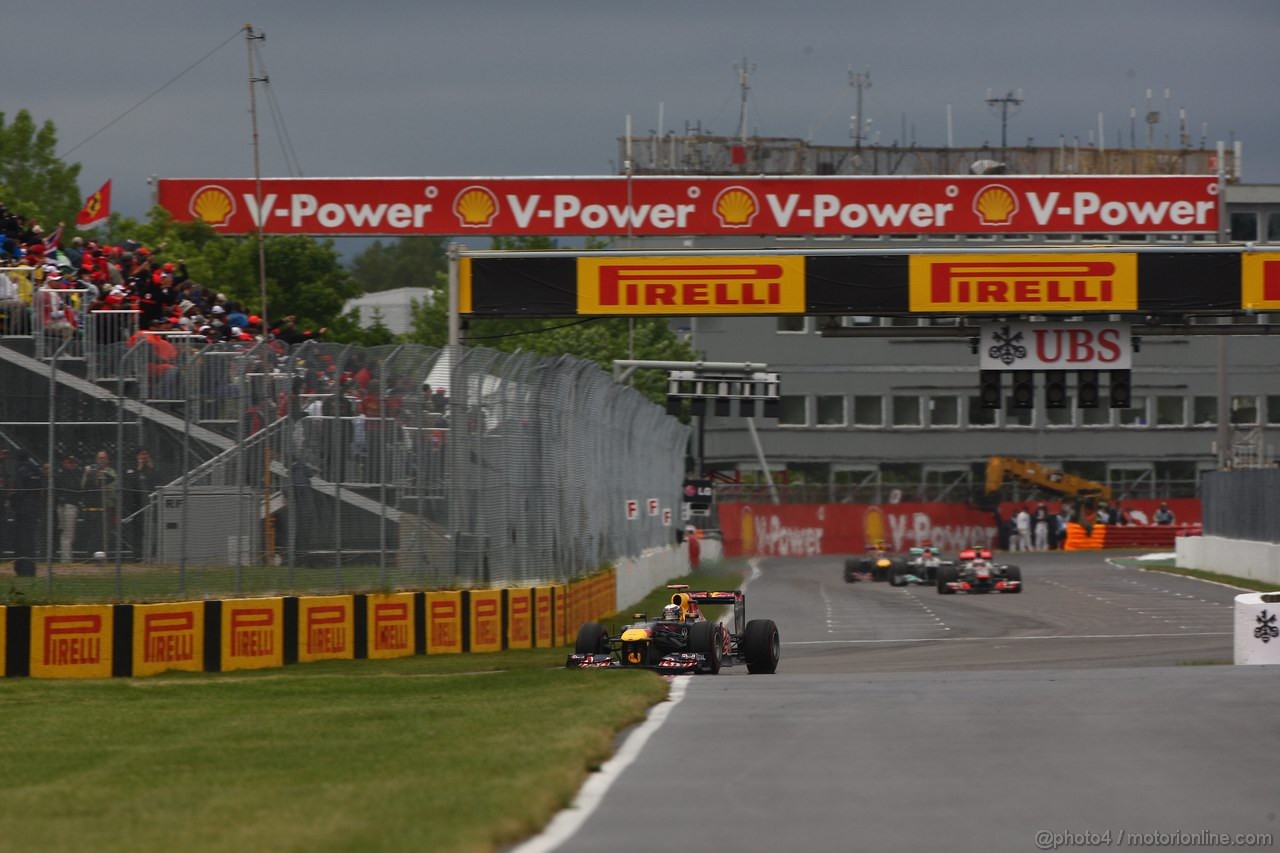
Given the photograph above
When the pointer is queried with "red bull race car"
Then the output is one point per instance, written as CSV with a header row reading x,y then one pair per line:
x,y
878,564
975,572
682,640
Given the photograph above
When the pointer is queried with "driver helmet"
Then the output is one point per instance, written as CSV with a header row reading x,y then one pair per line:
x,y
671,613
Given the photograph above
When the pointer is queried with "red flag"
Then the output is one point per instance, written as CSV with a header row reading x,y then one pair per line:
x,y
96,208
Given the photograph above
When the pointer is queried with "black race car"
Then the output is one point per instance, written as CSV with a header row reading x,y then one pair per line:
x,y
878,564
976,573
682,640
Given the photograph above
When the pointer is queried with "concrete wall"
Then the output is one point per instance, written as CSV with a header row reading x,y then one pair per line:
x,y
1242,558
638,576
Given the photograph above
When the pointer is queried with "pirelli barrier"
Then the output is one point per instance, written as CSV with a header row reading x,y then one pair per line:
x,y
124,640
1155,280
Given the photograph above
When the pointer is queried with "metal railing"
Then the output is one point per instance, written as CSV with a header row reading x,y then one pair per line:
x,y
330,467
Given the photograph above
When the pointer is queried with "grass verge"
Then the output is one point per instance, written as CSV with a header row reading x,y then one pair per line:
x,y
448,752
1168,567
82,584
423,753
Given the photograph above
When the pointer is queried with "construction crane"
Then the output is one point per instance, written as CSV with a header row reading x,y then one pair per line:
x,y
1044,477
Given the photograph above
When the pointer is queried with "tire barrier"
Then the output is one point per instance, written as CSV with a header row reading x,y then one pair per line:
x,y
128,640
1099,536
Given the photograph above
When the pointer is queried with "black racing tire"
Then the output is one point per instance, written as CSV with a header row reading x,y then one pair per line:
x,y
704,639
593,639
946,574
851,570
897,576
761,646
1013,573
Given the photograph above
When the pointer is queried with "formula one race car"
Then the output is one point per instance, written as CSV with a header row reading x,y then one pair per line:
x,y
682,640
921,568
878,564
975,572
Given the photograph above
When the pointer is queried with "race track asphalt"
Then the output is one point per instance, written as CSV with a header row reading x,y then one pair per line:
x,y
901,719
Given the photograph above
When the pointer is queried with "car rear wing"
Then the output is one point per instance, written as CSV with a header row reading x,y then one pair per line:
x,y
735,598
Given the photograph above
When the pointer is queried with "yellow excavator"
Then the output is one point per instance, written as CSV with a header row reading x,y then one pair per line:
x,y
1044,477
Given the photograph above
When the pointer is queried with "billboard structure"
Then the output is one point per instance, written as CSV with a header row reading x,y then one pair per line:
x,y
700,206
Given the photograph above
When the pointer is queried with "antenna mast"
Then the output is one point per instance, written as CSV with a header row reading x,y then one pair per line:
x,y
249,38
744,70
1009,101
861,82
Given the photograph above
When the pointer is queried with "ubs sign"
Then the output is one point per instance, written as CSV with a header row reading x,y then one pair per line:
x,y
1055,346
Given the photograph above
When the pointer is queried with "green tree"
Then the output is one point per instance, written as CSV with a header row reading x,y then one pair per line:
x,y
409,262
349,329
33,182
305,276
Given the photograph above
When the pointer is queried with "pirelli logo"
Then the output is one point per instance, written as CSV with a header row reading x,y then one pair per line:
x,y
1261,281
72,640
252,633
391,626
168,637
681,286
992,284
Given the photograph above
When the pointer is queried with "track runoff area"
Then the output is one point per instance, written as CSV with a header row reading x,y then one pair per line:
x,y
1074,714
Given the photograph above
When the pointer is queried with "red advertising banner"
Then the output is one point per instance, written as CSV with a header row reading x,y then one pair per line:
x,y
810,530
715,206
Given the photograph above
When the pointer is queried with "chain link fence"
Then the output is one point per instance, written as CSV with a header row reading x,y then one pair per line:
x,y
181,468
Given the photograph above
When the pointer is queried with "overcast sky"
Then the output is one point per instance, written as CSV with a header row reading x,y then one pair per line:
x,y
447,88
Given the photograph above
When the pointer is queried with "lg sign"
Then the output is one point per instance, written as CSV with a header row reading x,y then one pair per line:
x,y
1064,346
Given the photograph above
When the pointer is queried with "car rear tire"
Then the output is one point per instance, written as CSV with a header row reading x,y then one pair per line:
x,y
897,577
946,574
761,646
705,640
593,639
850,570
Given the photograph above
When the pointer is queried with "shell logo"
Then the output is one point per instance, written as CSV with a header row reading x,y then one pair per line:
x,y
214,205
873,524
748,526
995,205
736,207
475,207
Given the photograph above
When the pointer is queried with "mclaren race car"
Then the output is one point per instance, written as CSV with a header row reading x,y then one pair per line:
x,y
682,640
878,564
975,572
921,567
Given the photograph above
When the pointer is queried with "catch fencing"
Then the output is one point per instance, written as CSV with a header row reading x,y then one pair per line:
x,y
326,468
1243,504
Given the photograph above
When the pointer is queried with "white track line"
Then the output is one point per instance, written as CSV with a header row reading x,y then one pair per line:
x,y
1003,639
570,820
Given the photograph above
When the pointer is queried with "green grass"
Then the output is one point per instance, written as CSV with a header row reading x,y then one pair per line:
x,y
84,585
1168,567
423,753
448,752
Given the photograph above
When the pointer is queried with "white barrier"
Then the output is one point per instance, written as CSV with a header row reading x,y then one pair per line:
x,y
637,576
1257,632
1240,557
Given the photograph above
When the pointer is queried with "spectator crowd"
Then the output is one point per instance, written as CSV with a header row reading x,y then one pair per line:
x,y
52,286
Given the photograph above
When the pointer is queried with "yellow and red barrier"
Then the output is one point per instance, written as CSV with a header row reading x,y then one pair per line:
x,y
1102,536
99,641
